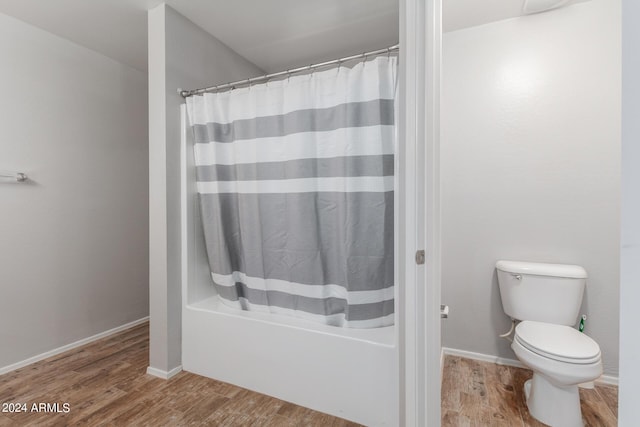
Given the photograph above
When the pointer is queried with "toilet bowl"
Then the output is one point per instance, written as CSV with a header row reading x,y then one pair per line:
x,y
560,358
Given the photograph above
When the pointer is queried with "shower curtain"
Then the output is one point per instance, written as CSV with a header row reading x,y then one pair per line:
x,y
296,185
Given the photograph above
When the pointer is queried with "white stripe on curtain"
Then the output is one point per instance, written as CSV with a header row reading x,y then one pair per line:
x,y
366,81
323,291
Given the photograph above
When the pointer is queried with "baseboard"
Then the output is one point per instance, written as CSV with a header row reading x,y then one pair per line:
x,y
482,357
608,379
79,343
446,351
165,375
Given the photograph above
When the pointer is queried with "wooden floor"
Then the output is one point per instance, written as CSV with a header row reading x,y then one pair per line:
x,y
484,394
105,383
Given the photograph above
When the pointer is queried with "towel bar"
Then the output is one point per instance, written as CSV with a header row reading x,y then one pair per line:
x,y
18,176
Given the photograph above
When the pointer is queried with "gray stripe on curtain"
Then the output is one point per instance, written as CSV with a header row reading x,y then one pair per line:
x,y
353,114
304,168
323,306
314,238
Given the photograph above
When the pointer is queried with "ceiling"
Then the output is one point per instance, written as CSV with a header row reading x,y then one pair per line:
x,y
282,34
273,34
115,28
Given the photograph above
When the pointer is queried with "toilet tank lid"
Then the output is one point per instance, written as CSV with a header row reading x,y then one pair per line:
x,y
542,269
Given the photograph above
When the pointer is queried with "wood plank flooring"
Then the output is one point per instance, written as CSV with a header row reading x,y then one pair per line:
x,y
484,394
105,383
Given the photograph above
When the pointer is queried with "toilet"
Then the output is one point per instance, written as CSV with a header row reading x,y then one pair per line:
x,y
546,299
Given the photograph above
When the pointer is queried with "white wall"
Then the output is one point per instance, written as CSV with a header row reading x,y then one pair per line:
x,y
73,250
629,411
181,55
531,165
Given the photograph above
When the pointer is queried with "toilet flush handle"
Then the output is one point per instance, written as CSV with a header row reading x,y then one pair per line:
x,y
517,276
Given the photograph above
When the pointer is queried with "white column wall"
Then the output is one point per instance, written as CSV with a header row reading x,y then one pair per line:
x,y
629,410
181,55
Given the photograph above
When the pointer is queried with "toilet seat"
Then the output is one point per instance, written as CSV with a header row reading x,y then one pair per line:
x,y
557,342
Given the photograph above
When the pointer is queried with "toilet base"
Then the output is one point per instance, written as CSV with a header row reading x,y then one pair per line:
x,y
551,404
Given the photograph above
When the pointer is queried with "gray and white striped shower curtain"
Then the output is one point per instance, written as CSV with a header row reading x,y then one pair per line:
x,y
296,186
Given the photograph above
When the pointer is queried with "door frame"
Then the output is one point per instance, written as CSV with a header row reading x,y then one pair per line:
x,y
419,212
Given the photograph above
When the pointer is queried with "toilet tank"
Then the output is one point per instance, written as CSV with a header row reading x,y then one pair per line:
x,y
550,293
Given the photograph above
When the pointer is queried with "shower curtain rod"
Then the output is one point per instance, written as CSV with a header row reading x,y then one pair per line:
x,y
187,93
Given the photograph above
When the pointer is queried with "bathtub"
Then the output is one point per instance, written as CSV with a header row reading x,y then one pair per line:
x,y
348,373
